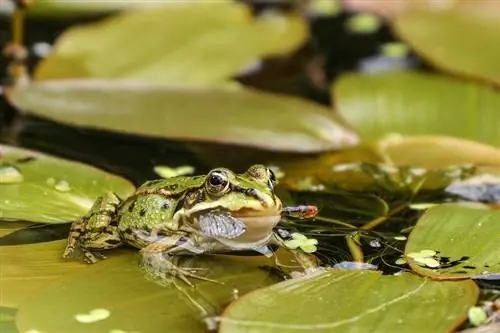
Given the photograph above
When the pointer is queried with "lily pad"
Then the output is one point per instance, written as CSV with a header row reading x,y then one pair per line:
x,y
450,40
53,189
134,303
352,301
72,8
178,43
435,152
29,268
240,117
464,238
413,103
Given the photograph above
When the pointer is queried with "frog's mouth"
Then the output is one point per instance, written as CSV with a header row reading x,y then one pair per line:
x,y
253,218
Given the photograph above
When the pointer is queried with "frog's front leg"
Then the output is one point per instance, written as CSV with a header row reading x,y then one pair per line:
x,y
95,231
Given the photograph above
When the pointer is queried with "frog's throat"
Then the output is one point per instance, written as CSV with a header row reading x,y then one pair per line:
x,y
259,232
259,225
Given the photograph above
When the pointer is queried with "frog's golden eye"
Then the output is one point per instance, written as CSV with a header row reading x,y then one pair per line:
x,y
217,183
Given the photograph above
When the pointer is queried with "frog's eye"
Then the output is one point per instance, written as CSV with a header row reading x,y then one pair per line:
x,y
272,178
217,182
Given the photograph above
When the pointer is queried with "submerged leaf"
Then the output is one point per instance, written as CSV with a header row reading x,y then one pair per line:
x,y
412,103
117,285
53,189
177,43
453,39
352,301
240,117
464,238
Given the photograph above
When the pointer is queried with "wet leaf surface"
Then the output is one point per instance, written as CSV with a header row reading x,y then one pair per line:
x,y
245,117
27,269
187,42
450,40
352,301
53,189
413,103
465,239
137,304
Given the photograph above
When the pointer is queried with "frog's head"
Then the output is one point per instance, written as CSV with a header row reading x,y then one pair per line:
x,y
248,197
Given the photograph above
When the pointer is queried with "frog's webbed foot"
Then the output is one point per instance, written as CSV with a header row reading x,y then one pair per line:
x,y
160,265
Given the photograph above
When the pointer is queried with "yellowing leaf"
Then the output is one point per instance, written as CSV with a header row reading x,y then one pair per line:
x,y
180,42
231,116
463,42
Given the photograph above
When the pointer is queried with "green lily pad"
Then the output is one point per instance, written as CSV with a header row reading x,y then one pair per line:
x,y
465,239
450,40
195,42
27,269
53,189
72,8
134,303
352,301
412,103
232,116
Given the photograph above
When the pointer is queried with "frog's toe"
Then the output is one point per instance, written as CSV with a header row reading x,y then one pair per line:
x,y
184,273
91,258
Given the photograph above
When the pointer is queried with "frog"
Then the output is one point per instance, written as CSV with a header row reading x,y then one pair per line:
x,y
219,212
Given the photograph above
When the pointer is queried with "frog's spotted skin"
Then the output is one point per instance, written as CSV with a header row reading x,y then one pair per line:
x,y
219,212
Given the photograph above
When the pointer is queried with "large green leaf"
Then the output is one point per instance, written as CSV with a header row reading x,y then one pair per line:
x,y
464,42
234,116
467,237
52,189
180,42
72,8
415,103
352,301
27,269
137,304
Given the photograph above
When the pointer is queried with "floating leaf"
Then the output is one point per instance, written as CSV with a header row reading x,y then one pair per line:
x,y
72,8
29,268
412,103
465,240
177,43
361,301
168,172
53,190
240,117
434,152
451,39
118,286
363,23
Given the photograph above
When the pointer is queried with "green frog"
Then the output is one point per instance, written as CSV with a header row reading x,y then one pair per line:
x,y
214,213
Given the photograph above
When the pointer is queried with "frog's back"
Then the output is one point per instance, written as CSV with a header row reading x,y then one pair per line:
x,y
172,186
154,202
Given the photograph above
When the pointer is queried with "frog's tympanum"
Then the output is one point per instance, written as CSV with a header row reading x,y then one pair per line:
x,y
216,213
